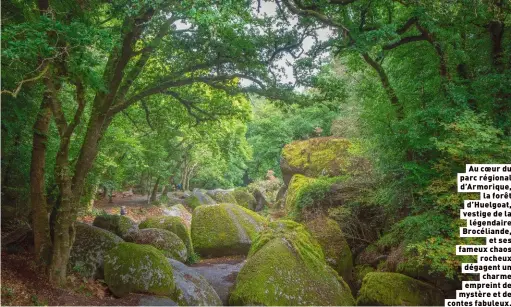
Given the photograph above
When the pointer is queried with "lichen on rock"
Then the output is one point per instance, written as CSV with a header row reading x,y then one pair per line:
x,y
173,224
286,266
88,251
335,247
167,242
194,288
394,289
131,267
225,229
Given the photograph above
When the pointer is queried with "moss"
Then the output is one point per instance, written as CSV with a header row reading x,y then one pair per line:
x,y
90,246
193,202
360,272
317,157
394,289
130,267
119,224
244,198
225,229
306,193
167,242
223,196
286,267
337,251
294,233
173,224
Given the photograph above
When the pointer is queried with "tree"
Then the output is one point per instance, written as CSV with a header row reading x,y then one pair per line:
x,y
101,58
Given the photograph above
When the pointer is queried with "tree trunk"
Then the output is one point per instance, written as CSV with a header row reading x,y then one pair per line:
x,y
391,93
168,186
155,189
40,214
64,232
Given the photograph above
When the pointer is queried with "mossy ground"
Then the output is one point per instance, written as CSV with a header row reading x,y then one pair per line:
x,y
131,267
335,247
286,267
394,289
173,224
225,229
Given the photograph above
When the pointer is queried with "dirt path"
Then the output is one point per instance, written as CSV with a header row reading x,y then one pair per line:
x,y
137,208
221,273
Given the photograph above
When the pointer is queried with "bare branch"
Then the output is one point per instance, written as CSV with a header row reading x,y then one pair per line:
x,y
15,92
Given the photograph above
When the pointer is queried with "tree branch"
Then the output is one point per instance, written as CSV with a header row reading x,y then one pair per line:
x,y
405,40
15,92
81,101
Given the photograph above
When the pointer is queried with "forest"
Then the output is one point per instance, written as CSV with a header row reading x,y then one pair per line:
x,y
285,152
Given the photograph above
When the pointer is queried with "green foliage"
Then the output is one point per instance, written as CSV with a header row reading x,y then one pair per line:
x,y
193,258
272,127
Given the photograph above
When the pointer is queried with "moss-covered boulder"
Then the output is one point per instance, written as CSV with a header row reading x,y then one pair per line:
x,y
286,266
359,273
222,196
223,230
173,224
198,198
131,267
194,288
323,156
305,195
167,242
180,211
394,289
244,198
335,248
89,249
119,224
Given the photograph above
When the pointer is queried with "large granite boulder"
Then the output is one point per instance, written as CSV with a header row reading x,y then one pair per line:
x,y
244,198
223,230
197,198
167,242
222,196
323,156
180,211
335,248
394,289
89,249
173,224
131,267
194,288
286,266
119,224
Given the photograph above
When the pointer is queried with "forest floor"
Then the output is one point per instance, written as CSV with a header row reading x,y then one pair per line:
x,y
24,285
137,207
